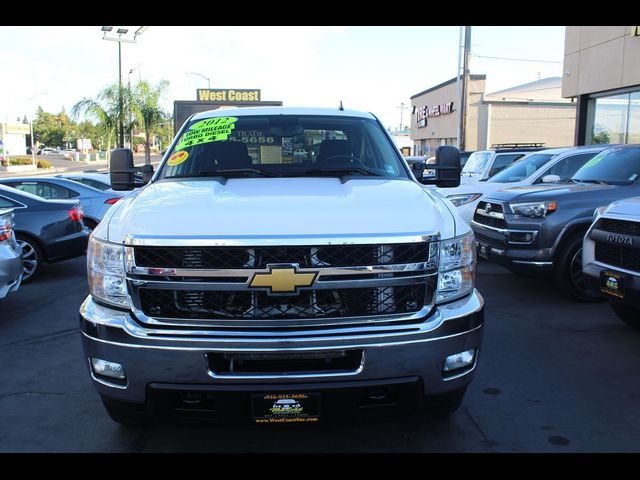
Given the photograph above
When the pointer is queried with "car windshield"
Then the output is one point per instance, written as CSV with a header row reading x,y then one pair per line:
x,y
283,145
616,166
477,162
522,168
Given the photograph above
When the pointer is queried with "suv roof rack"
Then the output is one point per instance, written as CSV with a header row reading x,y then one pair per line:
x,y
517,145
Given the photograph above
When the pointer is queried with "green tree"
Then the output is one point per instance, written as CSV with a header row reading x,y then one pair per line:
x,y
145,106
104,110
52,129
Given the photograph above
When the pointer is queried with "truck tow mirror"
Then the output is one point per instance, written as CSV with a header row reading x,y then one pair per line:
x,y
447,168
122,171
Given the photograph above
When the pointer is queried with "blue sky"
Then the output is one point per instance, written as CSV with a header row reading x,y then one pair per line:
x,y
368,68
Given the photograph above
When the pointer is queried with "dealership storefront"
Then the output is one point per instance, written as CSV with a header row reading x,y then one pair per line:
x,y
602,71
531,113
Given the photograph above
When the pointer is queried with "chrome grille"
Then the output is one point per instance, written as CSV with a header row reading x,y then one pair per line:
x,y
209,286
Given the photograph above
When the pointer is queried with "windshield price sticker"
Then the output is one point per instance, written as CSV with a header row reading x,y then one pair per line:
x,y
177,158
207,131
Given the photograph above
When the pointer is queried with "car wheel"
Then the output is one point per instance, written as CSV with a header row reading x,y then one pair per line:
x,y
124,414
31,257
568,273
444,405
626,313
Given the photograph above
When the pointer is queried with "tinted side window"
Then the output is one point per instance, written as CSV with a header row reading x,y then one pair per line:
x,y
46,190
91,183
503,161
566,167
6,203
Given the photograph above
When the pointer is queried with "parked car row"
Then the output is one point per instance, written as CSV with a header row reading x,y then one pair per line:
x,y
47,220
536,217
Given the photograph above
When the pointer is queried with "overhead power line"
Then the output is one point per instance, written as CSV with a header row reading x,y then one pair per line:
x,y
515,59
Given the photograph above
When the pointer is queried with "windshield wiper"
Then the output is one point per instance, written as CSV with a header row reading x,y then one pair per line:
x,y
343,173
599,182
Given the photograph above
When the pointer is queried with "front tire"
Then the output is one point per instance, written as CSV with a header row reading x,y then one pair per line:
x,y
31,257
626,313
568,273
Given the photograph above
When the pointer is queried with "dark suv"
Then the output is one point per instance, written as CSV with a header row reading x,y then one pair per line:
x,y
539,229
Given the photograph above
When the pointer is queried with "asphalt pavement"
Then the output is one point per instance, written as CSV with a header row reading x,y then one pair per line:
x,y
553,376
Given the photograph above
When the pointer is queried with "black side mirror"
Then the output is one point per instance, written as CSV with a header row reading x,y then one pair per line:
x,y
447,168
122,170
418,169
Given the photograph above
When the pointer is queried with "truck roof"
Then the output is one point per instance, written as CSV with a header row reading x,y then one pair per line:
x,y
250,111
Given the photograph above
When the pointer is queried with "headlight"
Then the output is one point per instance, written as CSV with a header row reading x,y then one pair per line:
x,y
457,270
533,209
105,268
463,198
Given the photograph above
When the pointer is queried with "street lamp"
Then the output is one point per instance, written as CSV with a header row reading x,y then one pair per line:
x,y
33,153
200,75
121,31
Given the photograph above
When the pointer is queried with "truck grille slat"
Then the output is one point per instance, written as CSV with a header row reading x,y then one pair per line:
x,y
348,302
618,256
259,257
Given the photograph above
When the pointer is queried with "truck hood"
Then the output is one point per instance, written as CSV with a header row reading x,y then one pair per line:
x,y
534,193
269,207
628,206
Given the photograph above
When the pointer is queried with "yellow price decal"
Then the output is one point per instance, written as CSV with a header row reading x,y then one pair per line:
x,y
177,158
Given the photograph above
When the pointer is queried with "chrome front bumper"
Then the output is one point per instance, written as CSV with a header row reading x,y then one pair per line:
x,y
389,352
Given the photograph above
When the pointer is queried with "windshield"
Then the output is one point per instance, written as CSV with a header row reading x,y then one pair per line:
x,y
477,162
283,145
522,168
617,166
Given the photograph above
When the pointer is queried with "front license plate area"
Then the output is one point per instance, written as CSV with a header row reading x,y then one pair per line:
x,y
612,283
282,408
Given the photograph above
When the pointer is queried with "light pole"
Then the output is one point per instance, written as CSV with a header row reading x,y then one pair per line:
x,y
121,31
200,75
33,153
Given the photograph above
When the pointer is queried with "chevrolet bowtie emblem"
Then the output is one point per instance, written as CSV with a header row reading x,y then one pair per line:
x,y
283,279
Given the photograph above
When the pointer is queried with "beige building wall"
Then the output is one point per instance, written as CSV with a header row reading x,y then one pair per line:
x,y
600,58
446,126
552,125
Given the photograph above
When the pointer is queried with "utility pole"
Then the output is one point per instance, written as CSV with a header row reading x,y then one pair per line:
x,y
465,88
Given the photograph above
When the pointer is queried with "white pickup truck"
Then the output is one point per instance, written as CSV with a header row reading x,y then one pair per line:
x,y
243,274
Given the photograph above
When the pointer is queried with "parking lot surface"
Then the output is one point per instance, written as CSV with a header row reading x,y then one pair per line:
x,y
554,376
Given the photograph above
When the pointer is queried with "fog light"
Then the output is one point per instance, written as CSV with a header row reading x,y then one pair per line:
x,y
459,360
521,237
108,369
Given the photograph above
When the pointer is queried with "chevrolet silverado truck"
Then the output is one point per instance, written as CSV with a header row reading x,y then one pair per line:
x,y
611,257
242,278
539,229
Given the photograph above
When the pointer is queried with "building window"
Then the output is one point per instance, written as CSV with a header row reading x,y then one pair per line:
x,y
614,119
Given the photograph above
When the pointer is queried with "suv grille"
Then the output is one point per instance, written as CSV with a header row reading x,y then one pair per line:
x,y
619,226
487,220
259,257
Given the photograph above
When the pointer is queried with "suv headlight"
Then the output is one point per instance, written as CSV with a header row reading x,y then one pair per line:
x,y
457,268
460,199
533,209
105,268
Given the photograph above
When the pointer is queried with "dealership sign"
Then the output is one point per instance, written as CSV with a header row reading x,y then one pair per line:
x,y
227,95
424,112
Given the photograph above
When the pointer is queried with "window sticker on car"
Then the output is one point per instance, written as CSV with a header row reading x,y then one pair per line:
x,y
177,158
206,131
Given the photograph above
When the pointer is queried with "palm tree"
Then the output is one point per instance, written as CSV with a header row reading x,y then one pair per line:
x,y
145,106
104,109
